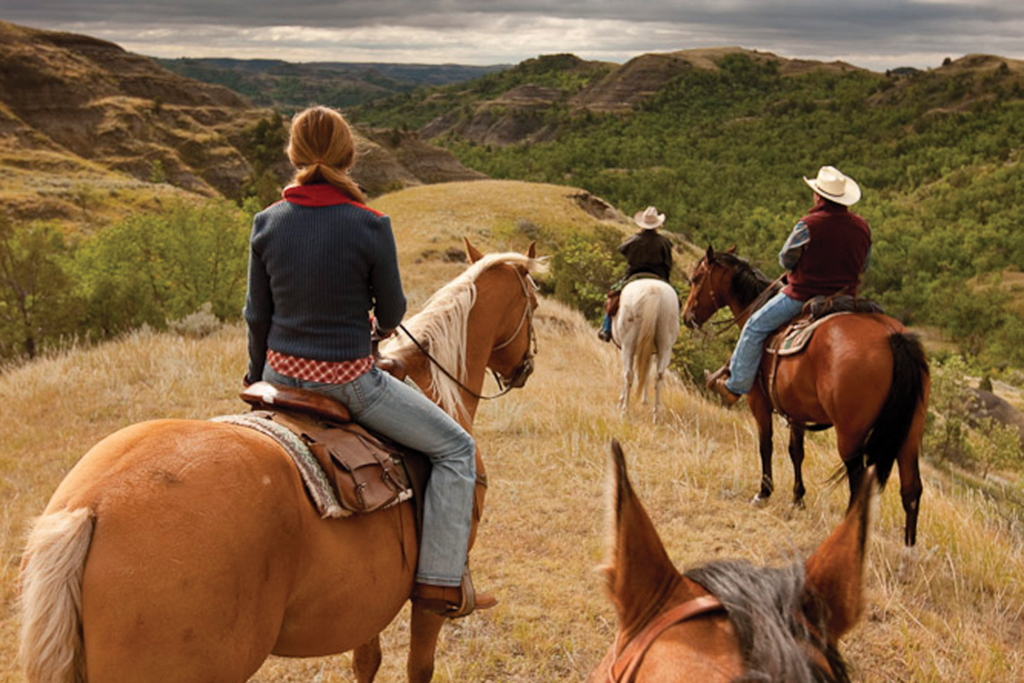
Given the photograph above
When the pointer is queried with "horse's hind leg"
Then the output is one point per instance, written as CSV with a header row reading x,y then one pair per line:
x,y
910,477
796,455
366,660
424,629
627,380
659,379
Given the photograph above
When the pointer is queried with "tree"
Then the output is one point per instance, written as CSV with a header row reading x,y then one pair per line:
x,y
36,304
152,268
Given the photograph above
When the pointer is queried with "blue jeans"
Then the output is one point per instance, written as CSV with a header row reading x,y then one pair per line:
x,y
385,405
777,311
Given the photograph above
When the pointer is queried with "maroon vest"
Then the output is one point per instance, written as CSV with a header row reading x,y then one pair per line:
x,y
834,258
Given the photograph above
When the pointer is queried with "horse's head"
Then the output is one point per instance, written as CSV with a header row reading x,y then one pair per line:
x,y
482,319
515,340
728,620
709,288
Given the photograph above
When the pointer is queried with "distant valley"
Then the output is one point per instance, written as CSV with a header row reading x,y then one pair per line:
x,y
287,86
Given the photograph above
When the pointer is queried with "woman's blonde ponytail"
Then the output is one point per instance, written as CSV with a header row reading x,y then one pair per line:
x,y
322,149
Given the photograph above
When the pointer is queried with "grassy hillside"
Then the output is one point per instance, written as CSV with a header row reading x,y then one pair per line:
x,y
954,617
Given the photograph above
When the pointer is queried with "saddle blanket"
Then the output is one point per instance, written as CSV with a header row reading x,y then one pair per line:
x,y
794,339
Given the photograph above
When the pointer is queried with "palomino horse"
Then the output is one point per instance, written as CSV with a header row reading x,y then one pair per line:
x,y
180,550
646,325
864,374
728,620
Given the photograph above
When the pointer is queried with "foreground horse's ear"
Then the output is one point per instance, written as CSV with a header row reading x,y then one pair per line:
x,y
710,254
638,567
531,252
471,251
835,572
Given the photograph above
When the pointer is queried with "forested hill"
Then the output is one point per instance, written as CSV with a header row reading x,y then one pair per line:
x,y
719,140
288,86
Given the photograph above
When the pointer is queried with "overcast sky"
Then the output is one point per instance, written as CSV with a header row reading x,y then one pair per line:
x,y
875,34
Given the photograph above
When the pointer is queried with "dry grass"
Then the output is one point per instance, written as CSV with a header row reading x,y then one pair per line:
x,y
956,617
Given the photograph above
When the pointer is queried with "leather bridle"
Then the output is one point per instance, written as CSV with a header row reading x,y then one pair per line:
x,y
704,270
624,667
522,371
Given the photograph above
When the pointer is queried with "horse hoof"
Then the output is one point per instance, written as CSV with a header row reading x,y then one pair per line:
x,y
905,569
799,504
759,501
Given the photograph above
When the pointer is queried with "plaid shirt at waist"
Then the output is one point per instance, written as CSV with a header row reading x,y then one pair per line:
x,y
323,371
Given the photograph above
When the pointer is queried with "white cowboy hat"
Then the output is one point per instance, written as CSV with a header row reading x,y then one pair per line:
x,y
834,186
649,218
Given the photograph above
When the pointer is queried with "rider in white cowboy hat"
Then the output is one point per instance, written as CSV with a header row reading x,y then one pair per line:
x,y
648,251
826,253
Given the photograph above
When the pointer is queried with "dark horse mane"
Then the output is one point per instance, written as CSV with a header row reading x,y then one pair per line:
x,y
748,282
764,605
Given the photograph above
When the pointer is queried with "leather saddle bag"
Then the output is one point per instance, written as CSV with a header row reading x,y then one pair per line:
x,y
359,465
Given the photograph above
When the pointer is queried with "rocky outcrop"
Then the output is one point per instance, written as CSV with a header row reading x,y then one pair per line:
x,y
106,105
411,160
627,87
71,102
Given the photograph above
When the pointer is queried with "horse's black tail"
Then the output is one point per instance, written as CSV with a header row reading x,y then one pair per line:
x,y
891,427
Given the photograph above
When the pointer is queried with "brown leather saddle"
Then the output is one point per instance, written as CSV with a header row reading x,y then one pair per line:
x,y
367,471
792,338
611,303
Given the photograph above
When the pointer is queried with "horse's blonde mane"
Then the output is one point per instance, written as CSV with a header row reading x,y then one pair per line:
x,y
441,328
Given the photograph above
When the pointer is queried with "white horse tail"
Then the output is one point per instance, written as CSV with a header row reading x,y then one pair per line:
x,y
646,338
51,597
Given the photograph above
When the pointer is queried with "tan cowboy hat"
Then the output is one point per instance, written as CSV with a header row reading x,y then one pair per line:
x,y
834,186
649,218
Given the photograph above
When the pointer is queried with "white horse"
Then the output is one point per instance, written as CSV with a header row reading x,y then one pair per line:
x,y
646,325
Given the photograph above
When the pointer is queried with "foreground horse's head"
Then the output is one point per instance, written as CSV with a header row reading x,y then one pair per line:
x,y
728,621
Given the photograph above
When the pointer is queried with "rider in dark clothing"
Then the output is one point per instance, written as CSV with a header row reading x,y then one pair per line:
x,y
826,253
648,251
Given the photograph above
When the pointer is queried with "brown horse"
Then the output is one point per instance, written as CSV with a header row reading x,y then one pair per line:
x,y
862,373
180,550
728,620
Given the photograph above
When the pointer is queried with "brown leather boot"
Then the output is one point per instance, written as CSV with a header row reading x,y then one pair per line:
x,y
452,601
716,382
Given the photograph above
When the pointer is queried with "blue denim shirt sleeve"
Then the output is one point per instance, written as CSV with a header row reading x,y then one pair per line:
x,y
794,246
867,260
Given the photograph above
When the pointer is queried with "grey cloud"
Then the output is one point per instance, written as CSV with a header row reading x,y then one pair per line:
x,y
511,31
784,14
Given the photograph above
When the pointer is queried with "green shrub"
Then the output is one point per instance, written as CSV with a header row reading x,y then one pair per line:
x,y
583,269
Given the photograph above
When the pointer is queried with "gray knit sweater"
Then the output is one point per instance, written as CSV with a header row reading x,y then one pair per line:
x,y
318,264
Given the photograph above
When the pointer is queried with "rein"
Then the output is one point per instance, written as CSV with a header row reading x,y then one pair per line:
x,y
524,369
625,666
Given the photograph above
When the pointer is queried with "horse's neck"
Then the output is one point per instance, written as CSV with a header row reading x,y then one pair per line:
x,y
418,369
743,307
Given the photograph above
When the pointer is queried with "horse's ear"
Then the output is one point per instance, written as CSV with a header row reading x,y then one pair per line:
x,y
531,252
710,254
638,566
835,572
471,251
